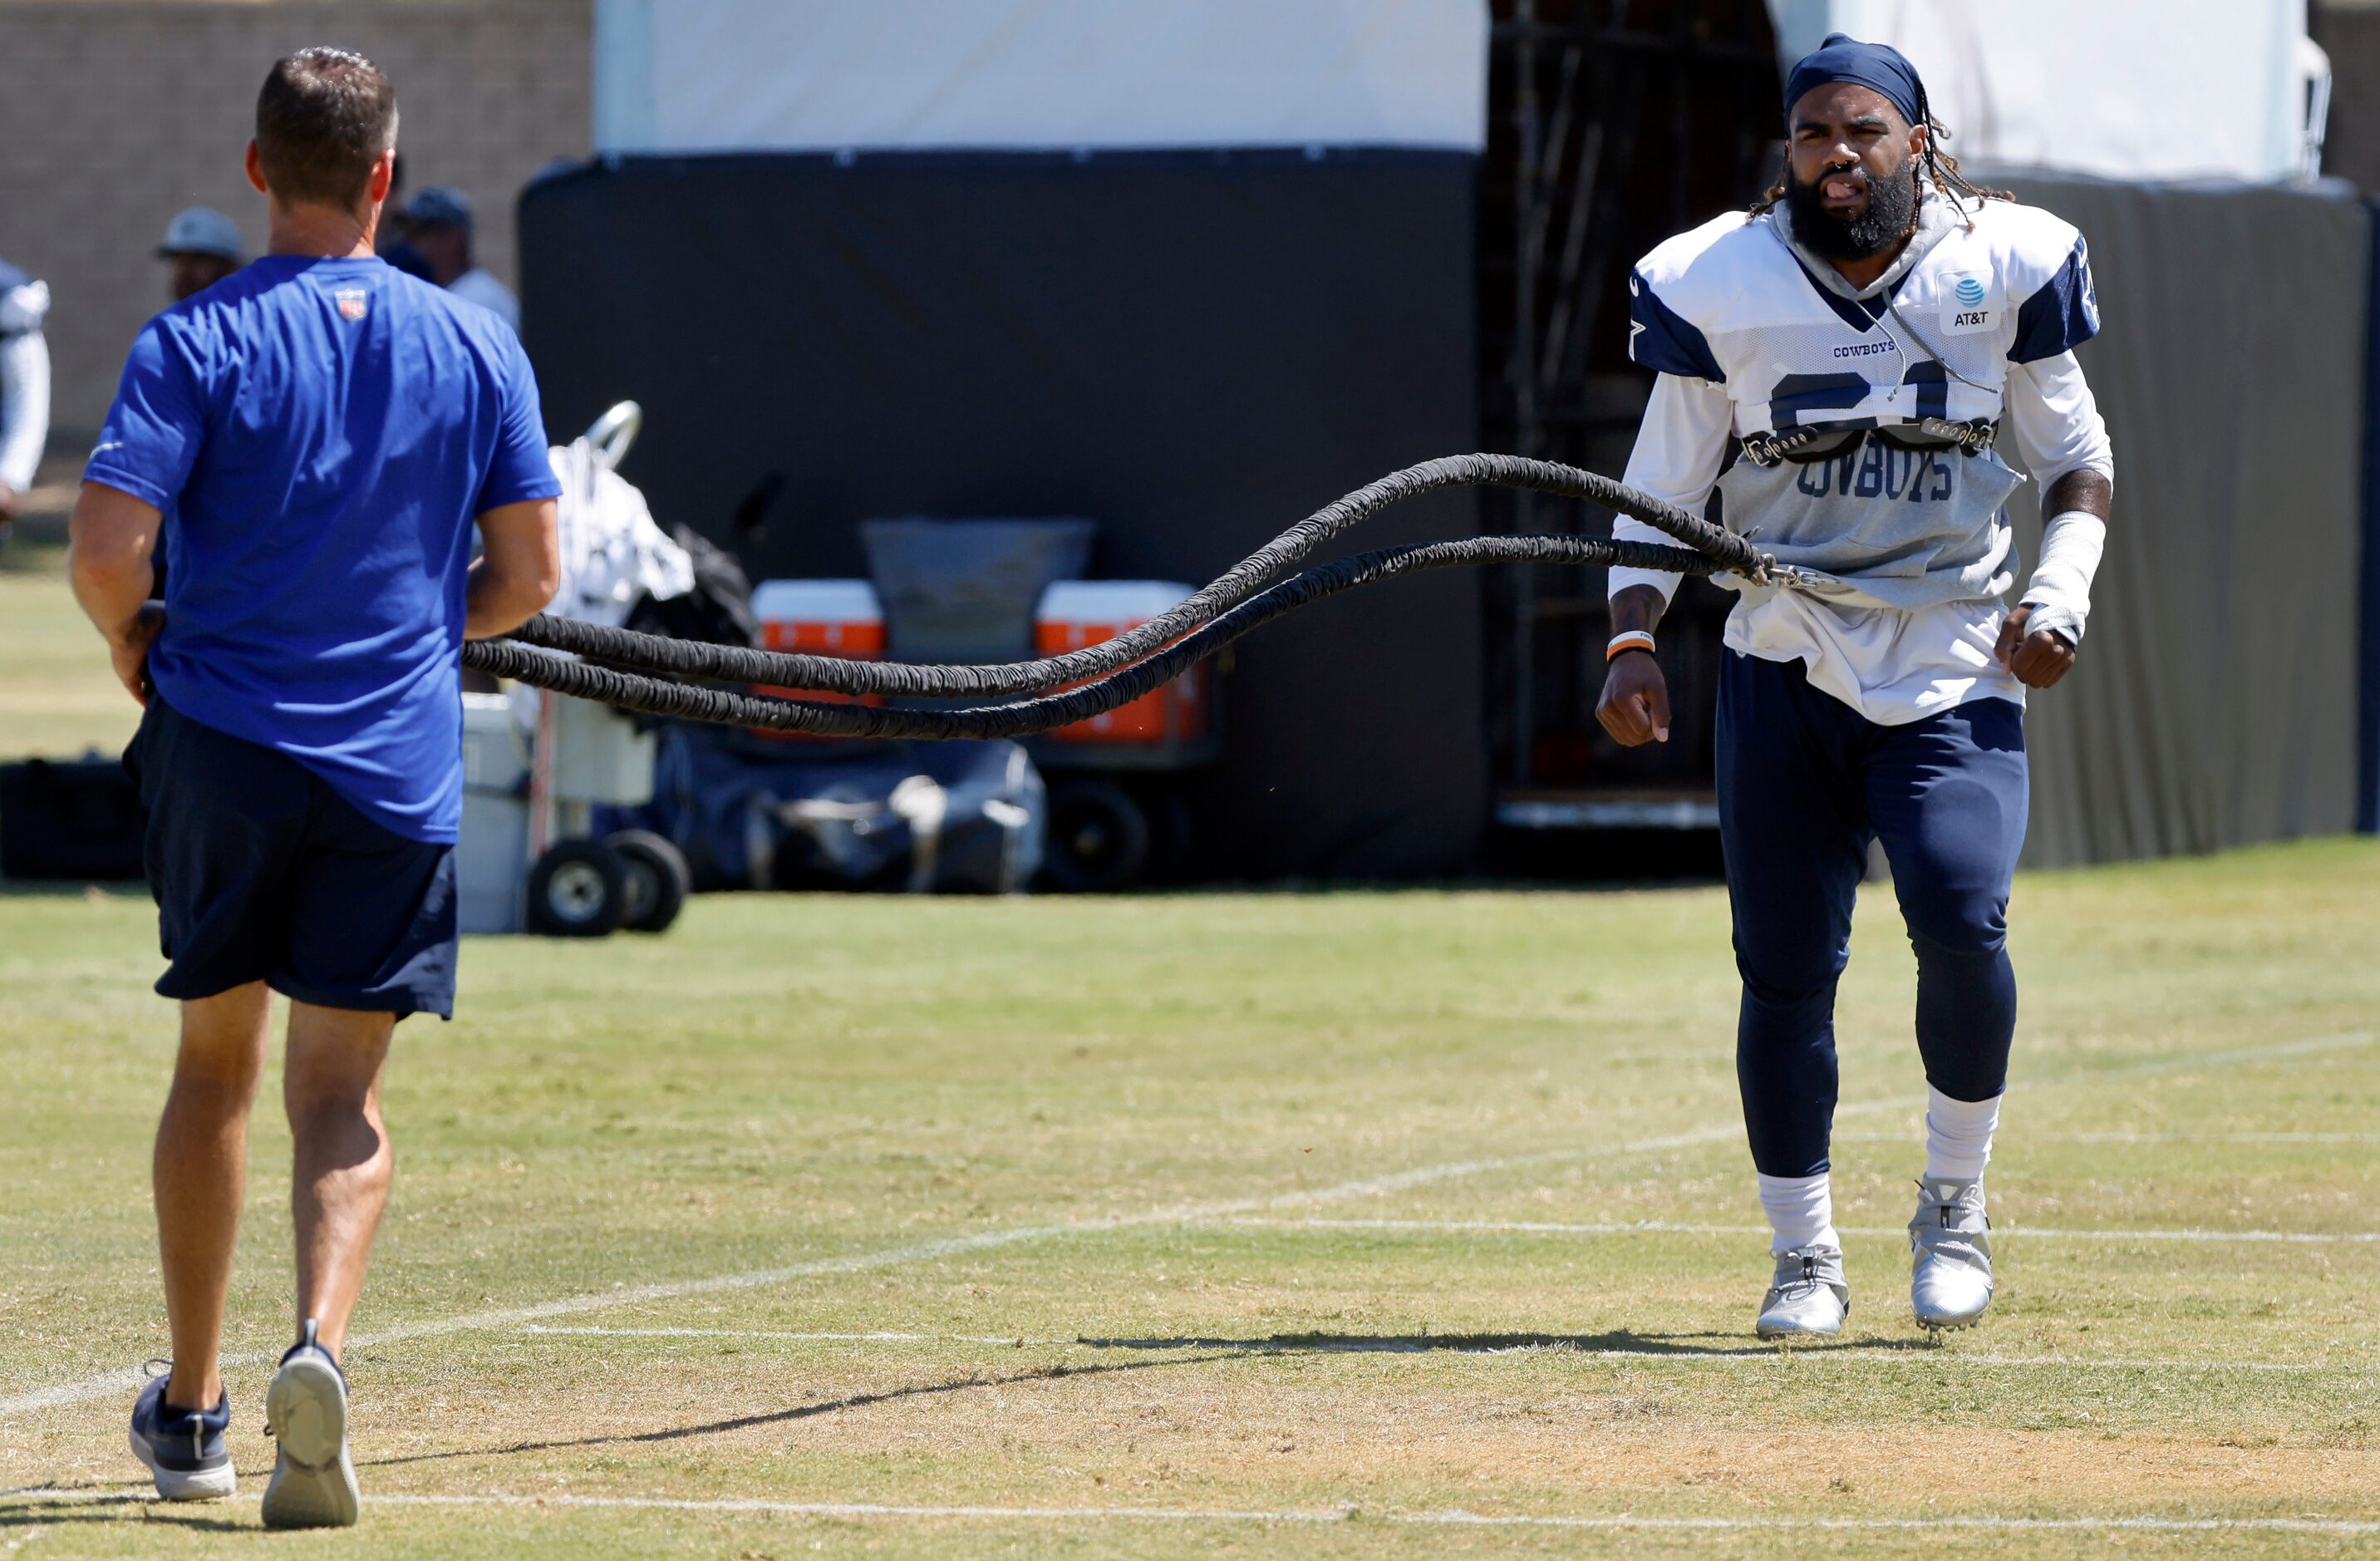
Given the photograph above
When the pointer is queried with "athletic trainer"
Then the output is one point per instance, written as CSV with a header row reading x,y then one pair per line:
x,y
1845,365
314,437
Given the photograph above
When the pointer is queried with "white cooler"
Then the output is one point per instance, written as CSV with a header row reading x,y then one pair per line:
x,y
491,859
596,756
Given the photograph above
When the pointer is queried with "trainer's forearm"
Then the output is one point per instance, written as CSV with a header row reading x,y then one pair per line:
x,y
111,593
110,538
497,601
519,570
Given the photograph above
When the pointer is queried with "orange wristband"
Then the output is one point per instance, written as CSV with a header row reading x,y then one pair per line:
x,y
1633,639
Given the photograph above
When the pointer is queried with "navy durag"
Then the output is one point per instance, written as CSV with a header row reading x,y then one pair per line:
x,y
1878,66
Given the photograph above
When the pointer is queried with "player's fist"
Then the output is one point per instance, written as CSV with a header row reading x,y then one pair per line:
x,y
2038,660
1635,704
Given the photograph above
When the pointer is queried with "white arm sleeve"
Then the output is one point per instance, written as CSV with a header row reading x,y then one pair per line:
x,y
24,408
1680,447
2056,421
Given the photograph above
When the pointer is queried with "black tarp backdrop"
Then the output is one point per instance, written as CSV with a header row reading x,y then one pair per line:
x,y
2215,703
1195,348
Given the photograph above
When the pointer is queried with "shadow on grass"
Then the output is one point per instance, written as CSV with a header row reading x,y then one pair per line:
x,y
1208,1350
1655,1347
44,1507
796,1412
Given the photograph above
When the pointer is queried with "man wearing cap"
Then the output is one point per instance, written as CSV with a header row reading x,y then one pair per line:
x,y
202,247
438,221
1865,344
320,437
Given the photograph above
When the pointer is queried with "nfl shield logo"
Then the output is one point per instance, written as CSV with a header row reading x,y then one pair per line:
x,y
351,302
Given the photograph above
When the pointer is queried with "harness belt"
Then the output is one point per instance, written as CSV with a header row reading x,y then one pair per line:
x,y
1802,443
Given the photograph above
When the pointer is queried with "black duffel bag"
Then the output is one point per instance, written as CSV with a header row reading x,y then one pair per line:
x,y
70,818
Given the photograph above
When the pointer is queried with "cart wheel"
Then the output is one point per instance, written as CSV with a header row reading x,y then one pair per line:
x,y
1100,838
659,879
578,889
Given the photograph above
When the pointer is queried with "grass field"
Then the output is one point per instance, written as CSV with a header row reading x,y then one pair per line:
x,y
1323,1224
57,697
1328,1224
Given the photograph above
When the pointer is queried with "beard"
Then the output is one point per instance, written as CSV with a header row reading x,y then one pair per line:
x,y
1891,215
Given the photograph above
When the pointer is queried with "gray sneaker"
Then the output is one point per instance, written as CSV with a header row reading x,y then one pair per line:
x,y
306,1412
1950,1248
1809,1299
183,1448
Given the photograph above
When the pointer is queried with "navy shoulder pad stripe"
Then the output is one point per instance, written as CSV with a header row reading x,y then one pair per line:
x,y
10,277
2063,314
1662,339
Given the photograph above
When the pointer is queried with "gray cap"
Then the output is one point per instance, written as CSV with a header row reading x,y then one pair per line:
x,y
439,206
202,230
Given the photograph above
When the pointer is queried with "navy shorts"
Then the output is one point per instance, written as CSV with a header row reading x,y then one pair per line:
x,y
262,872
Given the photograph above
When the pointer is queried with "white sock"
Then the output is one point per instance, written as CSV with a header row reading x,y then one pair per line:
x,y
1958,1134
1800,1212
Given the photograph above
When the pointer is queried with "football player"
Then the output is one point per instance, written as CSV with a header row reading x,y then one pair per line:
x,y
1847,364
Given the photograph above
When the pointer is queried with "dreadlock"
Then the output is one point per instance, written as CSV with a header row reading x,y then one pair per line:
x,y
1939,166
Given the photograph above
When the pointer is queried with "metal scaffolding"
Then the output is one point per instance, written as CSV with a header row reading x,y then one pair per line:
x,y
1612,125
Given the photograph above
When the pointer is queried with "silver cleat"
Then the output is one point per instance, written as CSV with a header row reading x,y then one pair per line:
x,y
1950,1246
1809,1298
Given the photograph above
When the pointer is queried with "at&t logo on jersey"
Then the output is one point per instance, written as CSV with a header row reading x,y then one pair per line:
x,y
352,302
1966,306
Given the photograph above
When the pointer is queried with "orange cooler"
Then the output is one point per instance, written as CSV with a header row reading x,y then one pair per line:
x,y
1075,613
821,618
845,618
839,618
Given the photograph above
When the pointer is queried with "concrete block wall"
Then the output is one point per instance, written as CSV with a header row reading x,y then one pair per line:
x,y
114,115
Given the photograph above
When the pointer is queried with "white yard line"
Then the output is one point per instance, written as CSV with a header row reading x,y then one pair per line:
x,y
1454,1518
127,1378
1419,1519
2276,1052
1012,1340
1666,1227
2160,1138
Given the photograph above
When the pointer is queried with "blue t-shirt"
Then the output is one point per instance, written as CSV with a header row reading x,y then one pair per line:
x,y
320,436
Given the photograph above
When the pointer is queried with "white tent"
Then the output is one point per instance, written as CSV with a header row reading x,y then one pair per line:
x,y
2121,89
693,76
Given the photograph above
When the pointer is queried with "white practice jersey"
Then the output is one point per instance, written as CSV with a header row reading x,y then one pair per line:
x,y
1909,544
24,377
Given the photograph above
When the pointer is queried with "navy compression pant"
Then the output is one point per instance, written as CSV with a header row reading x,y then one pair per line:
x,y
1804,782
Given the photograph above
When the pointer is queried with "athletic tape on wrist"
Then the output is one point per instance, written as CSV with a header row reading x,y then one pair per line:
x,y
2059,592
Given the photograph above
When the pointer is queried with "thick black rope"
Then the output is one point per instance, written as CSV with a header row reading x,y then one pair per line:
x,y
685,658
654,696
